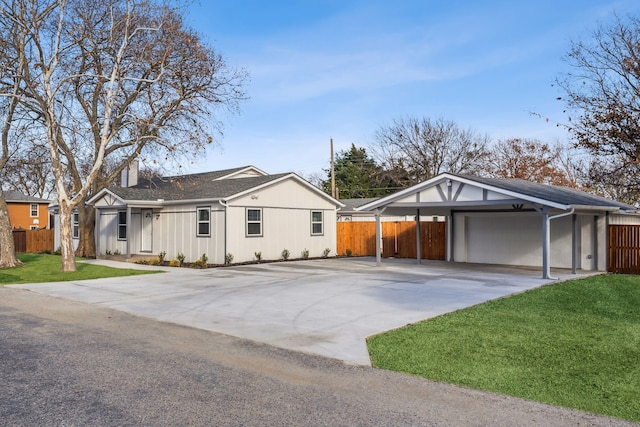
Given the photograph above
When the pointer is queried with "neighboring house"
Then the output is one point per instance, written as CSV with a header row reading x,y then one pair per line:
x,y
349,213
26,212
241,211
511,221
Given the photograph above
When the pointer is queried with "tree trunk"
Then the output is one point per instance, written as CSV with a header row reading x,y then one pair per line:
x,y
66,239
8,256
87,245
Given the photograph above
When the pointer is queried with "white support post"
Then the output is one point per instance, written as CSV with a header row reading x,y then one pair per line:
x,y
378,238
96,230
128,232
418,238
546,244
574,244
449,237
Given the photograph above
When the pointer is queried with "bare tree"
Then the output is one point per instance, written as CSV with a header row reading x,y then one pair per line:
x,y
29,170
421,148
612,181
12,66
532,160
603,98
109,81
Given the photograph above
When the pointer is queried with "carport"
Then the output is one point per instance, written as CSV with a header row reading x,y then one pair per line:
x,y
508,221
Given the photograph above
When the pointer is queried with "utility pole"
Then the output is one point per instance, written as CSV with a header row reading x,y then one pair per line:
x,y
333,171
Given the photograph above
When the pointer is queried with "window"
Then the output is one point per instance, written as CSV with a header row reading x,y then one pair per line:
x,y
254,222
122,225
75,225
317,228
203,221
34,210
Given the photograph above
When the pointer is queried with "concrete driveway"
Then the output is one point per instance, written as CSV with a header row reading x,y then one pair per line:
x,y
327,307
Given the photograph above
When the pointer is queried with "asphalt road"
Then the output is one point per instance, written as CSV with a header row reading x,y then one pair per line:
x,y
66,363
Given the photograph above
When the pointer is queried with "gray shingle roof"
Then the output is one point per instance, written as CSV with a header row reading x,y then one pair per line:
x,y
16,196
193,187
561,195
350,205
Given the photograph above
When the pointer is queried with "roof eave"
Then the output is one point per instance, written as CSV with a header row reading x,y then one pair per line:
x,y
388,201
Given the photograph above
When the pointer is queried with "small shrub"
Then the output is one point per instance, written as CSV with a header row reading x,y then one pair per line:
x,y
305,253
153,261
58,251
161,256
258,256
107,252
200,262
180,258
285,254
175,263
142,261
116,252
348,252
228,258
325,253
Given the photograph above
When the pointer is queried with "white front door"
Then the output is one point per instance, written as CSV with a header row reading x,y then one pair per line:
x,y
147,230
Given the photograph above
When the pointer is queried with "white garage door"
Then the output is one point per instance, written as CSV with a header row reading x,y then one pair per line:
x,y
504,239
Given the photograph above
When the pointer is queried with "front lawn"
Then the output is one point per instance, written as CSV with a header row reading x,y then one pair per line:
x,y
48,268
574,344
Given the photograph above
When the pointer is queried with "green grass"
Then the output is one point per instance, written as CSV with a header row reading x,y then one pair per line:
x,y
48,268
574,344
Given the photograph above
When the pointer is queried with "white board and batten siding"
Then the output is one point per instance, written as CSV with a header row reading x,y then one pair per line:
x,y
286,223
175,232
515,239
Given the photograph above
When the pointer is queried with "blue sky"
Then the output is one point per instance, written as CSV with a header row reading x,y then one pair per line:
x,y
340,69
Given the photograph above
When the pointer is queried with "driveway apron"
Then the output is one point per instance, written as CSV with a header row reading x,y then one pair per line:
x,y
326,307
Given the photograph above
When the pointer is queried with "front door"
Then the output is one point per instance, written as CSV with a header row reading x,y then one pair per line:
x,y
147,230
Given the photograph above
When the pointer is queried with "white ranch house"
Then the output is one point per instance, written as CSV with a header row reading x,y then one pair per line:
x,y
239,211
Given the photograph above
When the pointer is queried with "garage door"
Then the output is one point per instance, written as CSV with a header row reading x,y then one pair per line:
x,y
504,239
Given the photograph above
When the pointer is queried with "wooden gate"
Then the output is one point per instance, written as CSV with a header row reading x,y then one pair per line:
x,y
20,240
33,240
398,239
624,249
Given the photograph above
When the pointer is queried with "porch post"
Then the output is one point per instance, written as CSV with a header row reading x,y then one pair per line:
x,y
128,232
449,237
546,243
596,264
418,238
96,230
378,238
574,243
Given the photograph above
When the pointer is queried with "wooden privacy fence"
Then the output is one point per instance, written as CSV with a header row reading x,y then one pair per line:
x,y
33,240
398,239
624,249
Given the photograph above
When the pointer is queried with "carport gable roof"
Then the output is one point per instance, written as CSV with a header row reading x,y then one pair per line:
x,y
450,190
